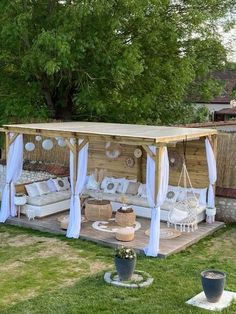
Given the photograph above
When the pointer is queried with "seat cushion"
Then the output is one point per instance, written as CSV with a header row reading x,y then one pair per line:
x,y
48,198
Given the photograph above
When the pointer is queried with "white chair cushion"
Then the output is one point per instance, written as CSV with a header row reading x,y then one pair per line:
x,y
48,198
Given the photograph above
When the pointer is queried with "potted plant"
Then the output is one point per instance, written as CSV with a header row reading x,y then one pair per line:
x,y
125,261
20,199
213,282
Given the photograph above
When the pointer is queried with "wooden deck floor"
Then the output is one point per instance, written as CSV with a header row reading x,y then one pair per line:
x,y
167,247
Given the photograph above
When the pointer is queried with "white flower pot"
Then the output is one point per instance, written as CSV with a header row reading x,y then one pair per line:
x,y
20,200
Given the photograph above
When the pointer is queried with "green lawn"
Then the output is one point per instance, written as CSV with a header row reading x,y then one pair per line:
x,y
41,273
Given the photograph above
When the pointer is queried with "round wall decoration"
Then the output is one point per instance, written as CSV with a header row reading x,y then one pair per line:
x,y
175,159
61,142
113,150
38,138
138,153
47,144
130,162
29,146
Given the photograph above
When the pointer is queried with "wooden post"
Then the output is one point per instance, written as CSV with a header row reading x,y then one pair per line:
x,y
214,147
158,158
75,159
139,167
7,144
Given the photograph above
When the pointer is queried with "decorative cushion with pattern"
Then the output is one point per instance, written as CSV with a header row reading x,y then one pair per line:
x,y
111,186
172,194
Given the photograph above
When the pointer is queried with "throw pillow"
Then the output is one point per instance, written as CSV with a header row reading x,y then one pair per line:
x,y
172,194
133,188
122,185
32,189
66,182
92,183
142,190
42,187
60,185
51,185
104,182
111,186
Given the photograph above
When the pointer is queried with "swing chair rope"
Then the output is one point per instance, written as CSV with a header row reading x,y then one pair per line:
x,y
184,171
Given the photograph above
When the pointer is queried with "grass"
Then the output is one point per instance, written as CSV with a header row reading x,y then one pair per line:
x,y
42,273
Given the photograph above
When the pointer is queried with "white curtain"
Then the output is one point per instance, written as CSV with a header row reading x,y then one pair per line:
x,y
212,173
73,230
211,162
154,239
13,173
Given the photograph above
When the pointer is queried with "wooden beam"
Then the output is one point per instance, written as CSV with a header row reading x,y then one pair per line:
x,y
149,152
81,145
7,144
69,145
12,139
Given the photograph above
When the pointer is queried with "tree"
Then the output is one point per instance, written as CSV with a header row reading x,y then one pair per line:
x,y
121,61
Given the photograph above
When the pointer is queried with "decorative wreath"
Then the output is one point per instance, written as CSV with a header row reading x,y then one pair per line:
x,y
113,150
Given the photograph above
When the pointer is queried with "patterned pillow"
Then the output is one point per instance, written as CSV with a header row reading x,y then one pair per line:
x,y
122,185
60,185
172,194
111,186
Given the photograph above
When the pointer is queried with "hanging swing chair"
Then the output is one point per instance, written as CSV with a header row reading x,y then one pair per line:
x,y
183,214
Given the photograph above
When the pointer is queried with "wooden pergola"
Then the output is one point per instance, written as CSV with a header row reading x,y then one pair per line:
x,y
142,135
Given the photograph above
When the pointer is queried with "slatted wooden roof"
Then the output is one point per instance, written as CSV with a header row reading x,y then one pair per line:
x,y
112,131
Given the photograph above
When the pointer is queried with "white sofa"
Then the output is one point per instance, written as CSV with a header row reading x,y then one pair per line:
x,y
48,204
140,205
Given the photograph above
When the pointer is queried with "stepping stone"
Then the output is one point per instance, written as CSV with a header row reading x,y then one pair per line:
x,y
200,301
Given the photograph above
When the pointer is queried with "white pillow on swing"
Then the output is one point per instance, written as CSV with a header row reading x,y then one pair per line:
x,y
178,215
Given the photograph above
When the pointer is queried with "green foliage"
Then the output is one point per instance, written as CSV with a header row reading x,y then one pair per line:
x,y
122,61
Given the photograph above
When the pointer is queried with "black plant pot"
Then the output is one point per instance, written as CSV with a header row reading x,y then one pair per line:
x,y
213,282
125,268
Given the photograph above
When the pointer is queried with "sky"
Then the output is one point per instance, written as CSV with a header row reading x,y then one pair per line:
x,y
229,40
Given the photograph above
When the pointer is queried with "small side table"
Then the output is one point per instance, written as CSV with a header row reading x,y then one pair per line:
x,y
98,210
19,200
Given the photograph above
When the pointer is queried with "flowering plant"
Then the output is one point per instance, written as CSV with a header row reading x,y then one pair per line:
x,y
125,253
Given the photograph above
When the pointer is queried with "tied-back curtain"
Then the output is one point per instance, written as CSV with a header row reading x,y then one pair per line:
x,y
212,173
13,173
154,239
73,230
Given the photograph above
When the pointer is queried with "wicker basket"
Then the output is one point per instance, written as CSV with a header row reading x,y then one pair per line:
x,y
125,234
98,210
125,219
